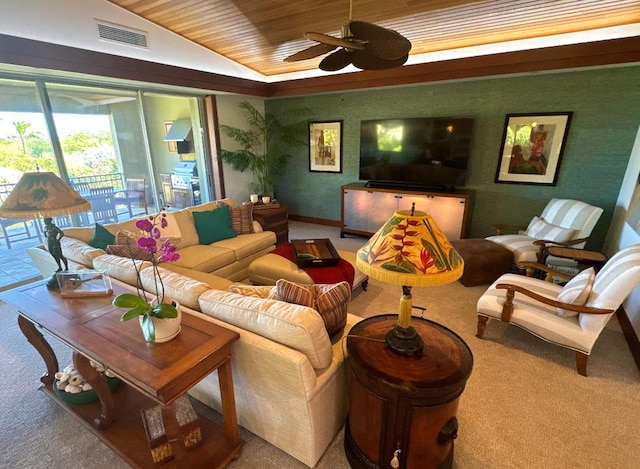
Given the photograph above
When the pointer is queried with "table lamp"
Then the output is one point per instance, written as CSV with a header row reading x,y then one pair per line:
x,y
409,250
43,194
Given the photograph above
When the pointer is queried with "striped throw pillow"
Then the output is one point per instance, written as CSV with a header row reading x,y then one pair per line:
x,y
539,229
331,301
576,291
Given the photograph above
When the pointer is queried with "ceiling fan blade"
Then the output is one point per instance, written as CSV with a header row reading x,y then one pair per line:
x,y
310,53
335,41
366,61
385,43
335,61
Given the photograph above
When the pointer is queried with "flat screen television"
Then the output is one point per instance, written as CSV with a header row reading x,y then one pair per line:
x,y
429,153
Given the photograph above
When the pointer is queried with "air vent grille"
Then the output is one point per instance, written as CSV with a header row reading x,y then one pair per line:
x,y
121,35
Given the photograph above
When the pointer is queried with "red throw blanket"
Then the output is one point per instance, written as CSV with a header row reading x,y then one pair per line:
x,y
343,270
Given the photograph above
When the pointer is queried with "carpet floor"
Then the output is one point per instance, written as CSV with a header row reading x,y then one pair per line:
x,y
524,406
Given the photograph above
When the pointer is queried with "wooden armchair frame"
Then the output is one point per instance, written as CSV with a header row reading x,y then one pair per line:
x,y
611,287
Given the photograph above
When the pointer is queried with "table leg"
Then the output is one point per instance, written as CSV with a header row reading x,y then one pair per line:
x,y
92,376
38,341
227,397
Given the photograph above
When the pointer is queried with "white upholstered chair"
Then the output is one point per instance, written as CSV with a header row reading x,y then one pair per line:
x,y
572,316
564,222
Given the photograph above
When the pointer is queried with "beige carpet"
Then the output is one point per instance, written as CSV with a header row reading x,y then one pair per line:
x,y
525,406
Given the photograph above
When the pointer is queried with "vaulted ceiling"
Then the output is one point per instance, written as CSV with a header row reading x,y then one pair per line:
x,y
261,33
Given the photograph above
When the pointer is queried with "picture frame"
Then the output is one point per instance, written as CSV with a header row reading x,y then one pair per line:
x,y
532,148
173,146
325,147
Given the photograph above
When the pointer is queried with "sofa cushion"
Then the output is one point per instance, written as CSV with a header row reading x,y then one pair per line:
x,y
214,225
121,268
79,251
331,301
205,258
101,237
577,291
295,326
257,291
241,217
245,245
214,281
126,245
181,288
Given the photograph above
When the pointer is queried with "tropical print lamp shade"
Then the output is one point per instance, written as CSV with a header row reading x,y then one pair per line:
x,y
410,249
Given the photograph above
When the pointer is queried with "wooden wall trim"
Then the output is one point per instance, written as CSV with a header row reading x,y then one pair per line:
x,y
593,54
27,52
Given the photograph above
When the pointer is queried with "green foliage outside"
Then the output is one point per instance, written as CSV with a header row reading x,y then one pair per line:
x,y
85,153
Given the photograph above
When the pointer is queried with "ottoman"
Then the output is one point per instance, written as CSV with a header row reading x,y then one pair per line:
x,y
484,260
266,270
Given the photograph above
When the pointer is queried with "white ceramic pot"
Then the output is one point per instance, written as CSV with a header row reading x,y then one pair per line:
x,y
166,329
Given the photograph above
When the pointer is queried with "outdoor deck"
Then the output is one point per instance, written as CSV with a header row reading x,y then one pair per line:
x,y
16,267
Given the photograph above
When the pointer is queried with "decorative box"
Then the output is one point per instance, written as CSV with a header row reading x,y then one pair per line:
x,y
160,446
83,283
314,252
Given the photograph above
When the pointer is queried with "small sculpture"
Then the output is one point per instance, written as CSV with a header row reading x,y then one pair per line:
x,y
54,235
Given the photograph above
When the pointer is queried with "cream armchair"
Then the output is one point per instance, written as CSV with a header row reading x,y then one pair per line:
x,y
572,316
563,222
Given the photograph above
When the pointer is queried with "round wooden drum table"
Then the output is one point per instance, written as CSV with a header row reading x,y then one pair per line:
x,y
399,406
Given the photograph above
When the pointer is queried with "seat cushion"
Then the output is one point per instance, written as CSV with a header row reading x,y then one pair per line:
x,y
205,258
520,245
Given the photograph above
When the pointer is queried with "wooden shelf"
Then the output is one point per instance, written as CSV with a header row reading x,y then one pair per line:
x,y
126,435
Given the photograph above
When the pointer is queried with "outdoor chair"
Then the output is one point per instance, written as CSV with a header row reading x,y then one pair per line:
x,y
572,316
103,204
563,222
135,194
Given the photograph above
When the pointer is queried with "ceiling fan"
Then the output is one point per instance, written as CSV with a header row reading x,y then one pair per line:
x,y
365,45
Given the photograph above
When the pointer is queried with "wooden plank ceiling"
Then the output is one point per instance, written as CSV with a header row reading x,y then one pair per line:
x,y
261,33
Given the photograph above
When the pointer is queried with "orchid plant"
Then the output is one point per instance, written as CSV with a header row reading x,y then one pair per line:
x,y
147,304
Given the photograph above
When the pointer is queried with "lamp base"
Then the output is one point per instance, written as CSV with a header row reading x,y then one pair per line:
x,y
404,340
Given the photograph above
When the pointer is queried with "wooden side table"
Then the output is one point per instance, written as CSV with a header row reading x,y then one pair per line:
x,y
274,219
584,258
404,406
152,374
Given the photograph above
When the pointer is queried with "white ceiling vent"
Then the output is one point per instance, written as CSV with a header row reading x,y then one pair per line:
x,y
122,35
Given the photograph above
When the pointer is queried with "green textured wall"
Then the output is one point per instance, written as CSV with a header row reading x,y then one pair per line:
x,y
606,115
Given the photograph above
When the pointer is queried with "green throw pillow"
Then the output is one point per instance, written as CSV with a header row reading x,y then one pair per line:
x,y
102,237
214,225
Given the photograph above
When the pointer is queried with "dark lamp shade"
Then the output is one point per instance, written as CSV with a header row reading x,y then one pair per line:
x,y
42,194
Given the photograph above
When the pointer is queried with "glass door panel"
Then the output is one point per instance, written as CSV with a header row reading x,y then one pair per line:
x,y
103,145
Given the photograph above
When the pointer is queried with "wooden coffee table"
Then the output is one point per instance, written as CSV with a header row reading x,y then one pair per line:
x,y
152,374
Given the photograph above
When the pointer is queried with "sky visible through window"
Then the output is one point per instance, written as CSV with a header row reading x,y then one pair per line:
x,y
66,124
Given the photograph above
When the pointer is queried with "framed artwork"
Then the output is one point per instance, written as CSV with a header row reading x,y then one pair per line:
x,y
325,147
532,147
173,146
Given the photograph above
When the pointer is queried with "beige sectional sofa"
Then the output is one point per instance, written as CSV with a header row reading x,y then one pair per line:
x,y
289,375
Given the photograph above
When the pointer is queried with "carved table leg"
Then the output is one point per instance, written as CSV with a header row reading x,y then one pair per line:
x,y
482,325
38,341
91,375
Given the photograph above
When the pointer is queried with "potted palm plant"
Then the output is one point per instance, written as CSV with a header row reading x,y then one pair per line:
x,y
263,145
